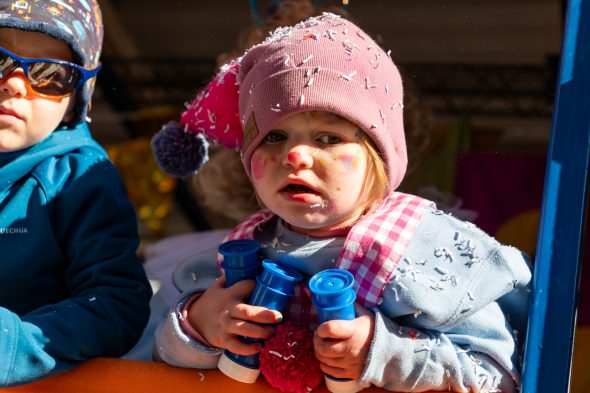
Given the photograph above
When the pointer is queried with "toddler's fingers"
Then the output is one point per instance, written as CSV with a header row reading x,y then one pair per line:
x,y
235,345
336,372
336,329
248,329
242,289
255,314
329,349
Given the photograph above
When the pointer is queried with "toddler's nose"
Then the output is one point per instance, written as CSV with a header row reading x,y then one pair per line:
x,y
299,157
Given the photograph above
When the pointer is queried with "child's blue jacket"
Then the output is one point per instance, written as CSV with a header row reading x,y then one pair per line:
x,y
71,285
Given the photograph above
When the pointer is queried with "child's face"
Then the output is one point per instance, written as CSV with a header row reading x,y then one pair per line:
x,y
310,170
26,120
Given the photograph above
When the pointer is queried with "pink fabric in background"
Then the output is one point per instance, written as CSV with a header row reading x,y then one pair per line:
x,y
499,187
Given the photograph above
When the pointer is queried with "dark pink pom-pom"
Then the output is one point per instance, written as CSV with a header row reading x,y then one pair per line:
x,y
287,360
179,152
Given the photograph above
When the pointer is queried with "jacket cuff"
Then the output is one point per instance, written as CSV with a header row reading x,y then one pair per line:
x,y
174,346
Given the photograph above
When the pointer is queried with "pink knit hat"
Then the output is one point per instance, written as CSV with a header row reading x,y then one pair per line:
x,y
324,63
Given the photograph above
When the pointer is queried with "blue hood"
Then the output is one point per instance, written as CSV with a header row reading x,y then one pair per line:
x,y
16,165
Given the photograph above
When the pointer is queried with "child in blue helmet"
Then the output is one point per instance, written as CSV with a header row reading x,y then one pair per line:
x,y
71,285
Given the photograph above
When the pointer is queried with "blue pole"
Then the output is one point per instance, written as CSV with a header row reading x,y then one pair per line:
x,y
550,335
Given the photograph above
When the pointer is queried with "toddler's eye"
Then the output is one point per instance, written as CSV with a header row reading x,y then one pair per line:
x,y
330,139
274,137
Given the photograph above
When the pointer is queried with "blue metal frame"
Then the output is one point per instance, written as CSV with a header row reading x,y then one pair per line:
x,y
24,62
548,351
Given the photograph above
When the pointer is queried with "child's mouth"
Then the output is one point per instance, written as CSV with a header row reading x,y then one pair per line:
x,y
299,189
301,193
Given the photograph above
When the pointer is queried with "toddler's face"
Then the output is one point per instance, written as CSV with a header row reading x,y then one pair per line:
x,y
309,170
26,120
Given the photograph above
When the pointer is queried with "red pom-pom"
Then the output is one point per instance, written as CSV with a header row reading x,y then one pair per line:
x,y
215,112
287,360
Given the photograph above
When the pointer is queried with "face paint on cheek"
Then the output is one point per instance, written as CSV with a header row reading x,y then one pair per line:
x,y
258,166
348,161
351,162
274,156
322,157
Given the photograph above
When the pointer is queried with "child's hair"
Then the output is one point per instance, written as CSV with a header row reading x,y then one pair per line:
x,y
322,64
375,184
79,25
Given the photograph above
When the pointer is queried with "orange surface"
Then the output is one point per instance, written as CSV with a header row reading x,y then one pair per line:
x,y
129,376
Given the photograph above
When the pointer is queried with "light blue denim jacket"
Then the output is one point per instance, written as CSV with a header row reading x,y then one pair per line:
x,y
448,318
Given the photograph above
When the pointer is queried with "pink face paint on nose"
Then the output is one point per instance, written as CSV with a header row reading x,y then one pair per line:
x,y
294,157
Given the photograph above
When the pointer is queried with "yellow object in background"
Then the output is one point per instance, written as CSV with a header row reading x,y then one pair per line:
x,y
520,231
150,190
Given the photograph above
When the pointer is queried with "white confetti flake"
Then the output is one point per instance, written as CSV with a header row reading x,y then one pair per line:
x,y
308,58
441,270
201,376
309,82
443,252
368,84
302,100
349,76
472,261
330,34
349,45
277,354
211,116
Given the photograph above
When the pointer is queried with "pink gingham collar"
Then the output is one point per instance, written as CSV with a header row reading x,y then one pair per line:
x,y
374,246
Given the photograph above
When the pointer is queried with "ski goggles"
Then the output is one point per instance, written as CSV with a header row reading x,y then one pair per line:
x,y
46,77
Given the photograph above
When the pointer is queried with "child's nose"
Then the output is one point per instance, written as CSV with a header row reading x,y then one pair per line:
x,y
14,83
298,157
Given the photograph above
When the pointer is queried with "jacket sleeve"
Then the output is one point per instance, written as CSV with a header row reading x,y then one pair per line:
x,y
22,347
96,228
450,315
174,346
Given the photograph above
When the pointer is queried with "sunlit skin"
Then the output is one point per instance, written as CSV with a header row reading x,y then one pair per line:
x,y
315,182
26,119
322,152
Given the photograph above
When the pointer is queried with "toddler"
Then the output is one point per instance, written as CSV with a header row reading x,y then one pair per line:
x,y
71,285
321,109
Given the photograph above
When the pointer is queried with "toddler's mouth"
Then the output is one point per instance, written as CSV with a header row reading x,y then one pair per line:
x,y
299,189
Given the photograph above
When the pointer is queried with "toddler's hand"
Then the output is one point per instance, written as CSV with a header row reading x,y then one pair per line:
x,y
342,346
220,316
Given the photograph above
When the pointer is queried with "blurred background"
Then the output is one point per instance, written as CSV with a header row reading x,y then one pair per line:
x,y
479,79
